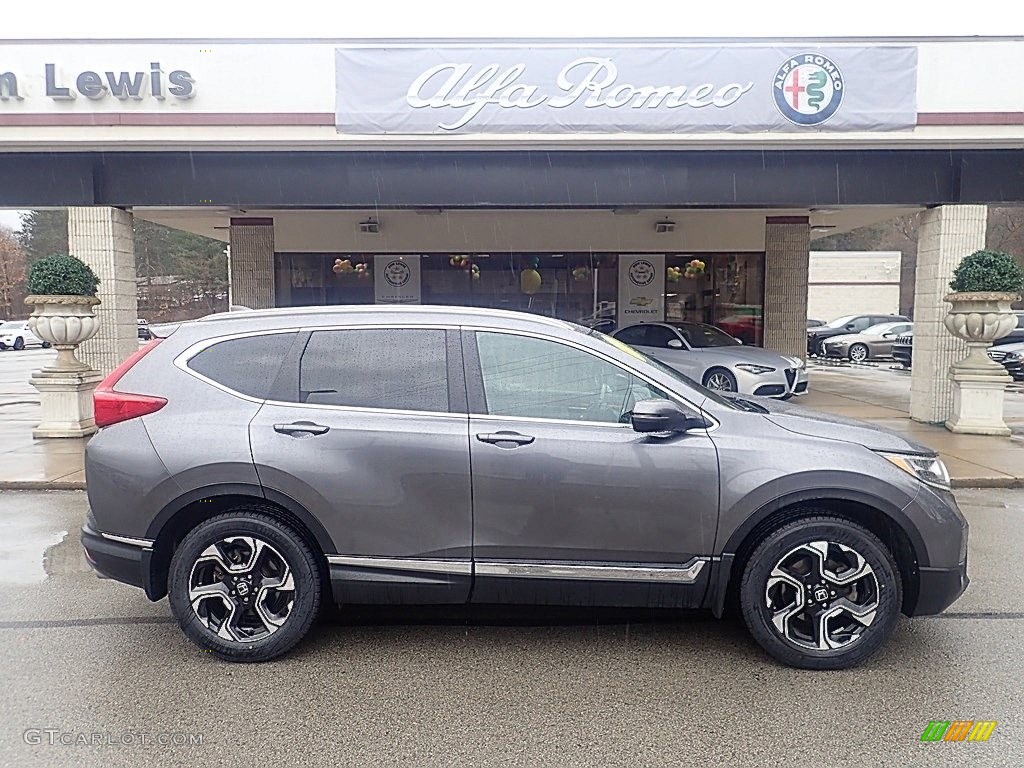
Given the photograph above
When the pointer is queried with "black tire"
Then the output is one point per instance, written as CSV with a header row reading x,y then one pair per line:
x,y
775,546
46,345
860,348
3,347
19,344
300,557
725,374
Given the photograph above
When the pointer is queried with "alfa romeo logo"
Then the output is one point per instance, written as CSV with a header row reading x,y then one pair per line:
x,y
641,272
808,89
397,273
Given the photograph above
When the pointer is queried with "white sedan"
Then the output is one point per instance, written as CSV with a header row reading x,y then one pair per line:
x,y
15,334
718,361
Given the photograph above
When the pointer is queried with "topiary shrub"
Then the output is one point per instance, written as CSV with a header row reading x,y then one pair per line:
x,y
988,271
60,275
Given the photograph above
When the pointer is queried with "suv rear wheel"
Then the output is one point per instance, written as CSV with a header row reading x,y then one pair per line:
x,y
821,593
244,586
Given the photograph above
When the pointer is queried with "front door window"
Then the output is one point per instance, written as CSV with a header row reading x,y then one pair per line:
x,y
536,378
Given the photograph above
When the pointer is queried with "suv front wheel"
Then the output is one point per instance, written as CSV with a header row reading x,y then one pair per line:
x,y
244,586
821,593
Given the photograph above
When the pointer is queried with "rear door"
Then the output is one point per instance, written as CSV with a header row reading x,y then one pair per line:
x,y
365,432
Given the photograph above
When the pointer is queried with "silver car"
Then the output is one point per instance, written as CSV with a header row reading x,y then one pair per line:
x,y
717,360
870,343
253,466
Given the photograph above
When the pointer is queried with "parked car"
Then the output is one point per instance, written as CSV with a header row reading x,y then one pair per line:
x,y
903,349
15,334
1012,358
844,325
903,345
869,344
717,360
250,466
143,329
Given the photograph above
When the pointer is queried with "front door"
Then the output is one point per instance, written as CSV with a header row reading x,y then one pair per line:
x,y
570,505
365,432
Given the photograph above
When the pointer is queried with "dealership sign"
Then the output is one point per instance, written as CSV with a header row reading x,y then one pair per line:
x,y
396,279
634,89
641,297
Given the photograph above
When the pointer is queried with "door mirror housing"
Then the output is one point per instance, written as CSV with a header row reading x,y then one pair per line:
x,y
664,416
675,344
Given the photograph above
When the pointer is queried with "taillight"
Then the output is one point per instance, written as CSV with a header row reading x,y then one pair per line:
x,y
111,407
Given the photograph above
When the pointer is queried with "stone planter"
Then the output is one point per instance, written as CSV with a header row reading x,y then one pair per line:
x,y
978,382
66,387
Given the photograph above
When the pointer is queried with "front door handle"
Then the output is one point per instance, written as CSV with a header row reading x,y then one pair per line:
x,y
512,439
301,428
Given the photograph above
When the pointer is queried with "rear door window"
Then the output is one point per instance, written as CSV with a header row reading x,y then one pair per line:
x,y
394,368
635,335
247,365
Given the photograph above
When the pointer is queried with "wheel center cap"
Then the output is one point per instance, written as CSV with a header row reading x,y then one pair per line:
x,y
820,594
243,588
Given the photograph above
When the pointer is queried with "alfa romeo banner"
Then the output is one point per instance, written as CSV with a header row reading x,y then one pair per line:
x,y
559,89
396,279
641,289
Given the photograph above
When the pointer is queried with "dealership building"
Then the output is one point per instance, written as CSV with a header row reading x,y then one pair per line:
x,y
601,181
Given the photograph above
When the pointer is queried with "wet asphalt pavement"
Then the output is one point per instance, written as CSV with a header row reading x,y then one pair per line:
x,y
527,687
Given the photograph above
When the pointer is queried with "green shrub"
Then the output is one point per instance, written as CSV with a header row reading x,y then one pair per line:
x,y
62,275
988,271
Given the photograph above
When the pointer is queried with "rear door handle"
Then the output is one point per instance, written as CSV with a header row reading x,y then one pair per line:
x,y
301,428
512,439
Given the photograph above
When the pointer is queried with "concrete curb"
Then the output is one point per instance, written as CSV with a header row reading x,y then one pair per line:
x,y
987,482
42,485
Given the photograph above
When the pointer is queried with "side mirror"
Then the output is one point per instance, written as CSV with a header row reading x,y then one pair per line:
x,y
888,335
738,340
664,416
675,344
850,327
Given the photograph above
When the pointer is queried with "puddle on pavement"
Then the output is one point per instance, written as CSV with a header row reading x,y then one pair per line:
x,y
31,551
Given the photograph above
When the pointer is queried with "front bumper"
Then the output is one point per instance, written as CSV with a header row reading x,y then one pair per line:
x,y
127,563
1015,368
778,383
938,588
839,349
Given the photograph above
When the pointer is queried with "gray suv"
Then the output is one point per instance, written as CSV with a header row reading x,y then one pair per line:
x,y
253,465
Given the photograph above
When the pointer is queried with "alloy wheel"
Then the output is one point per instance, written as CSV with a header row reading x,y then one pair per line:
x,y
822,596
241,588
858,353
720,382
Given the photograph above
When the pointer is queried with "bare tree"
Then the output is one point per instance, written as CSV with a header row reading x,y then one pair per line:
x,y
12,274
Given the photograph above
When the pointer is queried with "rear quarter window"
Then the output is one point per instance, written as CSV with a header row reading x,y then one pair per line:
x,y
247,365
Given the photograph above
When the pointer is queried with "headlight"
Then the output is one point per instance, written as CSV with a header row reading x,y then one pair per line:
x,y
756,369
1013,356
928,469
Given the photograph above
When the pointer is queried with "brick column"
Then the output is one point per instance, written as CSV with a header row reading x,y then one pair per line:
x,y
787,245
252,262
102,237
947,233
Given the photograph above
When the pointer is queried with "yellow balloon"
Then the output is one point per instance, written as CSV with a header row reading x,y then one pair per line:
x,y
529,281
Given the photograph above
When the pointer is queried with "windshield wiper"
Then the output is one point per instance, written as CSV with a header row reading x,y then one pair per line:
x,y
747,405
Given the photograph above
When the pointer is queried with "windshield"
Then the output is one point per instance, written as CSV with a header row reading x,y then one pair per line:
x,y
671,373
10,326
878,330
839,322
700,336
